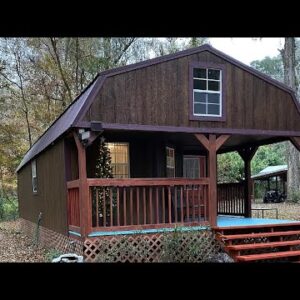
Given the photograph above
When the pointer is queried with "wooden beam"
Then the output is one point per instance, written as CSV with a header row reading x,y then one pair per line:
x,y
221,140
93,137
295,141
203,140
212,144
84,203
247,152
212,161
247,155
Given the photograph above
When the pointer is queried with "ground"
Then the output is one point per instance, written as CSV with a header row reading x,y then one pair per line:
x,y
286,210
16,247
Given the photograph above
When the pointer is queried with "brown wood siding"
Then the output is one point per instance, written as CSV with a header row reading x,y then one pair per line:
x,y
51,196
159,95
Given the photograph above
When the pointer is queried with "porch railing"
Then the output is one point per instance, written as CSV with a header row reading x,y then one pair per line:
x,y
147,203
231,198
73,206
141,203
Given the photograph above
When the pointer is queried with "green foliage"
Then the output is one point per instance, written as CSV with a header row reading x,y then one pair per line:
x,y
51,254
8,207
270,66
231,166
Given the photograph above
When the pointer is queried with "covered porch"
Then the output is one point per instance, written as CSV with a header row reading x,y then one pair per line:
x,y
156,195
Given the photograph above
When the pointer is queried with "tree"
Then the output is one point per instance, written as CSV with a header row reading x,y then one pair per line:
x,y
103,161
272,66
104,170
288,54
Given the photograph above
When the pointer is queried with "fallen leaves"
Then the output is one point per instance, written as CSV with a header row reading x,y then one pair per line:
x,y
17,247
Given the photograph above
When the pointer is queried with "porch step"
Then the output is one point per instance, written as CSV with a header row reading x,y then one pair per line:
x,y
257,235
265,256
262,245
268,242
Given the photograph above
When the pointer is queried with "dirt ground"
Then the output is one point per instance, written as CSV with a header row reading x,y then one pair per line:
x,y
16,247
286,210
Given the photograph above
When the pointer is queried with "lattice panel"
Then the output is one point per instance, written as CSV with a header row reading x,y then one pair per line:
x,y
197,246
51,239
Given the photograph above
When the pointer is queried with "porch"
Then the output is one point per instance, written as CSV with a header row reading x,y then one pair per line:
x,y
157,195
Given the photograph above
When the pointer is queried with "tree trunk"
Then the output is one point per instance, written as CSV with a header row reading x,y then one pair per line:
x,y
289,64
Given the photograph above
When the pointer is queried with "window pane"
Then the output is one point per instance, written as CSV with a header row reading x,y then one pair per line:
x,y
213,85
214,98
199,108
200,73
214,74
200,97
200,84
213,109
119,159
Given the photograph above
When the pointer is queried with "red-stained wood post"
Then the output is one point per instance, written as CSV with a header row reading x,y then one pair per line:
x,y
212,145
84,197
247,155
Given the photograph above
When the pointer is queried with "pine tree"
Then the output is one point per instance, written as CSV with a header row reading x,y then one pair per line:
x,y
103,162
104,170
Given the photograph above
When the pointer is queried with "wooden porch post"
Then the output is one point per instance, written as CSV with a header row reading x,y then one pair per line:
x,y
212,144
247,155
84,199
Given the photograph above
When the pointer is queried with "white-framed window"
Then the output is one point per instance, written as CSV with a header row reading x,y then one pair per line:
x,y
34,176
207,92
119,153
170,159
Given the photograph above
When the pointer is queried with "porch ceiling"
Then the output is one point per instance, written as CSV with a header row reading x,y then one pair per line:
x,y
188,140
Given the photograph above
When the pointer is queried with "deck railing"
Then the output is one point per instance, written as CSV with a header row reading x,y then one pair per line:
x,y
73,206
231,198
147,203
141,203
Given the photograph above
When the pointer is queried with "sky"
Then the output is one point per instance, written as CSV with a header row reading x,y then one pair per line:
x,y
248,49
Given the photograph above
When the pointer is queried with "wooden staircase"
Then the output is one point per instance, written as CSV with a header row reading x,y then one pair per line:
x,y
261,243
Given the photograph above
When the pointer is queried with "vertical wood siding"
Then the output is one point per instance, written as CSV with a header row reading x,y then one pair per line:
x,y
51,196
159,95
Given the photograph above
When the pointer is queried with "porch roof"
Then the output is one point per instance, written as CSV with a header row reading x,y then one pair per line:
x,y
271,171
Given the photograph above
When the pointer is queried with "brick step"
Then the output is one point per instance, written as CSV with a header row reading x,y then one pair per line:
x,y
264,256
257,235
261,245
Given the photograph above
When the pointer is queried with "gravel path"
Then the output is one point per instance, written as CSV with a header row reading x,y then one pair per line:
x,y
16,247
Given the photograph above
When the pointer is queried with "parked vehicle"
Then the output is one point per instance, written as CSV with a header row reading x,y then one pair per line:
x,y
274,196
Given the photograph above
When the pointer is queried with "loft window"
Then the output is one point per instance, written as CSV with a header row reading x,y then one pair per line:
x,y
207,92
170,158
119,153
34,176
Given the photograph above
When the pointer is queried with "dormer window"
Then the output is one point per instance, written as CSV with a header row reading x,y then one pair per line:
x,y
207,93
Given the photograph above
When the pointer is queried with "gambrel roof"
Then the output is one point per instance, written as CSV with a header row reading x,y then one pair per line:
x,y
74,113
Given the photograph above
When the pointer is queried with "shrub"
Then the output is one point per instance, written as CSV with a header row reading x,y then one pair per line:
x,y
8,207
177,246
51,254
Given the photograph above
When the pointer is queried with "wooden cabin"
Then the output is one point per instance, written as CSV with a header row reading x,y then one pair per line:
x,y
165,120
